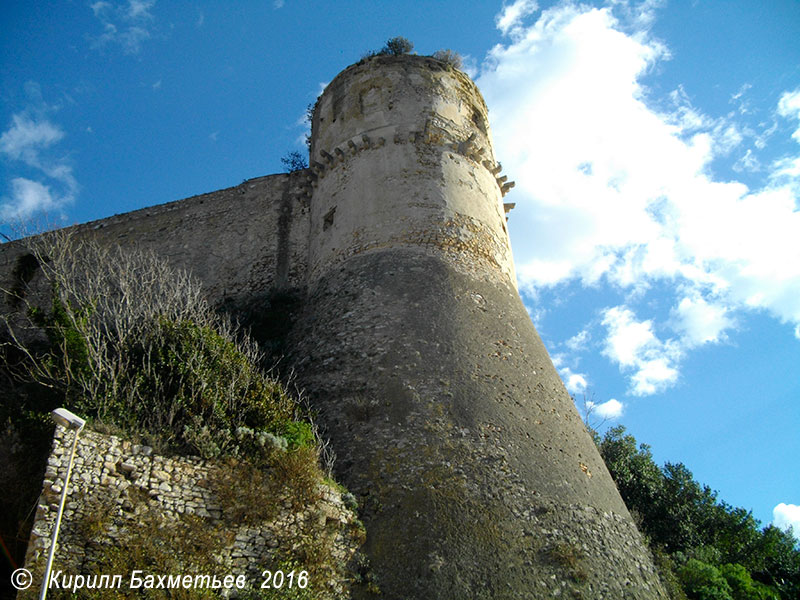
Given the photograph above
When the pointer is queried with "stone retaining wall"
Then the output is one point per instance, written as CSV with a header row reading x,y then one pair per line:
x,y
116,486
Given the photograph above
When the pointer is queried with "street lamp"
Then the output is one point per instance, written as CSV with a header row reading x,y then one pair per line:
x,y
67,420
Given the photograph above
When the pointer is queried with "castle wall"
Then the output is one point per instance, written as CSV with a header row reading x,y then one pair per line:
x,y
475,475
240,242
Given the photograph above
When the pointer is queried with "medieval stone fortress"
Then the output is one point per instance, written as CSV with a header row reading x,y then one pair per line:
x,y
473,473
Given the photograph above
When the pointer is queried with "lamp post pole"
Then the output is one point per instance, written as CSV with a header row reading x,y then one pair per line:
x,y
71,421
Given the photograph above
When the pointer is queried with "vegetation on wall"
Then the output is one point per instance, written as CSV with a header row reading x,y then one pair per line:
x,y
450,57
121,338
133,344
399,46
293,161
705,548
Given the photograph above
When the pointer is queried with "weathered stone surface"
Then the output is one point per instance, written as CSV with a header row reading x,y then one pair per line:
x,y
451,425
176,486
450,420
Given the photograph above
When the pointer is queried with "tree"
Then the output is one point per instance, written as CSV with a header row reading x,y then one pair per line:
x,y
720,552
702,581
636,474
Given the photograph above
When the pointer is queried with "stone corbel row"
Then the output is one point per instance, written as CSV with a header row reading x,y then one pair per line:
x,y
318,169
476,153
466,148
502,180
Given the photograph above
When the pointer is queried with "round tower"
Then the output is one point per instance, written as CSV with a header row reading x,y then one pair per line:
x,y
475,475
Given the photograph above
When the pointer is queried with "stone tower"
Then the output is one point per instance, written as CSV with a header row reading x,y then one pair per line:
x,y
476,476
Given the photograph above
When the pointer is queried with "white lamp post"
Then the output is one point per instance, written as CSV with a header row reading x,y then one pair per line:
x,y
71,421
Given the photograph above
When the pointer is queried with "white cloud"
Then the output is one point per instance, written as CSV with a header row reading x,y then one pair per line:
x,y
634,346
276,4
125,23
509,21
785,516
27,140
579,341
27,136
576,383
612,409
613,189
100,8
789,107
27,198
701,322
139,9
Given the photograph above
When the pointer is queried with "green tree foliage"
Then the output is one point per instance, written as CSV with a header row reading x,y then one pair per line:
x,y
702,581
719,551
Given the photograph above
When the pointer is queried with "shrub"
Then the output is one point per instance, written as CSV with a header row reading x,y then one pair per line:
x,y
450,57
397,46
703,581
294,161
133,343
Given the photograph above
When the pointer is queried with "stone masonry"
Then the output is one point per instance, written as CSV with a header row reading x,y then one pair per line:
x,y
474,473
115,484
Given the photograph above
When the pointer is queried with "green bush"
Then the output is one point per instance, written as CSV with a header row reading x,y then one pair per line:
x,y
702,581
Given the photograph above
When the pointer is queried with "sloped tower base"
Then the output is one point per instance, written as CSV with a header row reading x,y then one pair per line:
x,y
476,476
474,471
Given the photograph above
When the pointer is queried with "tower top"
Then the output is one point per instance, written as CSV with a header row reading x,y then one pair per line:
x,y
402,158
397,95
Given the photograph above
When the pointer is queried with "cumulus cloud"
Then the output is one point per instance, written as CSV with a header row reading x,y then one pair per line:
x,y
701,321
785,516
26,142
634,346
612,409
576,383
614,187
509,21
127,24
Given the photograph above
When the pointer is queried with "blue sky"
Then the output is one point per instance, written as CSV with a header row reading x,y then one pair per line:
x,y
655,146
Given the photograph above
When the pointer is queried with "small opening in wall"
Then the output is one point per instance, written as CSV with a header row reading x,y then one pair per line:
x,y
327,220
477,119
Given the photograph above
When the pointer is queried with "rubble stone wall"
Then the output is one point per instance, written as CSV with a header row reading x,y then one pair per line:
x,y
115,482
